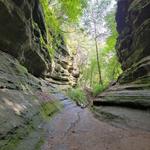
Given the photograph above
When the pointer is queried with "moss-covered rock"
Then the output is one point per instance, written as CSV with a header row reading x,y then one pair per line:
x,y
25,103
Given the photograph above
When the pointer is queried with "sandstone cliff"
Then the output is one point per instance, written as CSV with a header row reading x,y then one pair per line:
x,y
133,25
133,20
25,62
23,35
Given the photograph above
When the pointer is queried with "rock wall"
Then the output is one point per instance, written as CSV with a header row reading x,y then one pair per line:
x,y
23,35
21,27
133,25
63,72
133,50
26,102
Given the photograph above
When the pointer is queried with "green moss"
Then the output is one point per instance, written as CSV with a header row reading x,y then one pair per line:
x,y
48,109
18,134
15,136
39,144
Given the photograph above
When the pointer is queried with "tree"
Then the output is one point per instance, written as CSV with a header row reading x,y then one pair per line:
x,y
109,56
92,21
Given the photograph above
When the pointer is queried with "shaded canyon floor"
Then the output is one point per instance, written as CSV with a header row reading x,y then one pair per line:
x,y
113,129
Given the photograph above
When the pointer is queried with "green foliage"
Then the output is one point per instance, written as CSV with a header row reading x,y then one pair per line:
x,y
69,10
72,8
55,16
78,95
111,24
111,66
97,88
50,17
89,73
52,26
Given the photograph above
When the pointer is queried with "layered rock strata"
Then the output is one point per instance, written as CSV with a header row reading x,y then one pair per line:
x,y
133,25
26,100
133,86
64,72
23,35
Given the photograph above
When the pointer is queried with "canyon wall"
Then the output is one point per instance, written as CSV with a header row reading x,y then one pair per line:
x,y
23,34
133,49
27,69
133,25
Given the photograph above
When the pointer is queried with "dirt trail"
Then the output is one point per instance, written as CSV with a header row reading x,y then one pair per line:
x,y
77,129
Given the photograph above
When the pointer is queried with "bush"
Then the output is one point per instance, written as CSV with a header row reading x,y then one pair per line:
x,y
78,95
97,89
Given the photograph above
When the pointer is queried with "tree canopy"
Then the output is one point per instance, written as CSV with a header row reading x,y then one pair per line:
x,y
83,24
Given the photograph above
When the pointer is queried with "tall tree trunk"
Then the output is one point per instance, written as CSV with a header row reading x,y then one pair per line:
x,y
98,63
91,79
96,48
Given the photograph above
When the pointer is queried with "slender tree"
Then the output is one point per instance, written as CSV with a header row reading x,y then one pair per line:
x,y
92,21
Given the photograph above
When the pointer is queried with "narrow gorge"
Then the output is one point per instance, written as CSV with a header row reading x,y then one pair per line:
x,y
37,67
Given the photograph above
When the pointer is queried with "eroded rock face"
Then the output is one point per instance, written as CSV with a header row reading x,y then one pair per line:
x,y
64,72
25,104
27,101
23,35
21,27
133,25
133,49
